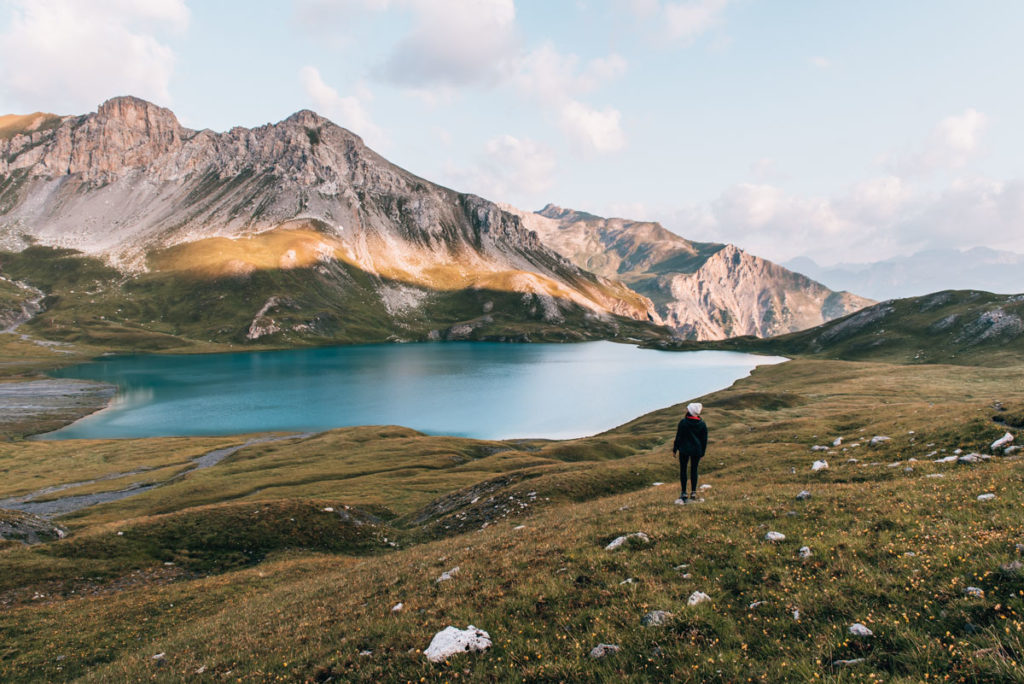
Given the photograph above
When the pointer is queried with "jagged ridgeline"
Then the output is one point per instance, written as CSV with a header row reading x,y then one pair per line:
x,y
143,232
283,233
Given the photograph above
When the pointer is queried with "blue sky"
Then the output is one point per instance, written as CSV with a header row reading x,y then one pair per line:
x,y
846,131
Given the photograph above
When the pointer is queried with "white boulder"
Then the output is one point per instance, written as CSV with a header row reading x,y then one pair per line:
x,y
878,439
697,598
619,541
837,441
452,641
775,537
450,574
803,495
857,629
819,465
805,552
603,650
986,497
1002,441
398,607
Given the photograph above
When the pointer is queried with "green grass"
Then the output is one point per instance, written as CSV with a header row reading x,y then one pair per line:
x,y
265,585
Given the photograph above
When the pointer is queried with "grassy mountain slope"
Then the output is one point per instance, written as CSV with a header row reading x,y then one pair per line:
x,y
956,327
89,303
295,592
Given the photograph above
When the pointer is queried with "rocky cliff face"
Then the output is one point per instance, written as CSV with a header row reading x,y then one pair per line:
x,y
703,290
128,183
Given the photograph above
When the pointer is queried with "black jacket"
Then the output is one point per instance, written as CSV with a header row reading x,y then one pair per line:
x,y
691,437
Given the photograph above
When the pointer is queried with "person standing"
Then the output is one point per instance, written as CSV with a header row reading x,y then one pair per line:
x,y
691,443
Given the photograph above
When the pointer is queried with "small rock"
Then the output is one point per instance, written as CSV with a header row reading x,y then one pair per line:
x,y
837,441
628,580
201,670
1002,441
946,459
366,653
158,656
805,552
680,502
452,640
657,484
656,618
327,510
818,447
1011,450
957,452
697,598
819,465
704,486
969,458
450,574
756,604
681,567
803,495
909,554
796,614
847,663
1013,567
878,439
398,607
935,475
519,527
986,497
775,537
604,650
619,541
857,629
974,592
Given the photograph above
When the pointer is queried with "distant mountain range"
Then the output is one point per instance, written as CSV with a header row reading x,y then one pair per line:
x,y
979,268
296,232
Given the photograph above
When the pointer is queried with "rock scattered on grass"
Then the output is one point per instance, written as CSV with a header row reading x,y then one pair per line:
x,y
847,663
158,656
819,447
704,486
819,465
775,537
837,441
946,459
697,598
1011,450
878,439
398,607
1013,567
796,614
857,629
935,475
974,592
970,458
619,541
628,580
450,574
328,509
604,650
986,497
1002,441
803,495
805,552
657,484
452,641
366,652
656,618
756,604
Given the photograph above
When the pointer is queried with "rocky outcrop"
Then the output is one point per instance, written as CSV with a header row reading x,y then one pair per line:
x,y
129,181
703,290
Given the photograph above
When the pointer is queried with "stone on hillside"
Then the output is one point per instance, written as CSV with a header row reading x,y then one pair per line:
x,y
158,656
1012,568
398,607
803,495
878,439
756,604
796,613
819,465
969,458
445,576
934,475
857,629
847,663
946,459
1010,450
837,441
986,497
656,618
974,592
604,650
805,552
775,537
697,598
657,484
704,486
628,580
819,447
1002,441
619,541
452,641
366,652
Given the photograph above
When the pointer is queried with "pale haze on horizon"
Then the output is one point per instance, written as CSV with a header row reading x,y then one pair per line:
x,y
840,131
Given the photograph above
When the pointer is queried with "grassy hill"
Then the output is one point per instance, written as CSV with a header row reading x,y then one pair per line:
x,y
241,572
952,327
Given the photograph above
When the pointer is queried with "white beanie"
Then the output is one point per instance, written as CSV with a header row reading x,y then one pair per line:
x,y
695,408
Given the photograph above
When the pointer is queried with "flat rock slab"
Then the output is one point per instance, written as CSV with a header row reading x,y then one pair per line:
x,y
453,641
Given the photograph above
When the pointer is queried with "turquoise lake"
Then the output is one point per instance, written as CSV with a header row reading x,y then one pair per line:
x,y
471,389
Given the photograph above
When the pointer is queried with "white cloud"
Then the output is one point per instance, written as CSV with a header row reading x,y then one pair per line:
x,y
349,111
685,21
952,143
453,42
821,62
67,56
592,130
508,169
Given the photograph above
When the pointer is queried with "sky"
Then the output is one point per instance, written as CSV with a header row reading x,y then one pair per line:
x,y
842,131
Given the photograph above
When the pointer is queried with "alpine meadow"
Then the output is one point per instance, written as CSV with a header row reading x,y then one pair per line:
x,y
276,407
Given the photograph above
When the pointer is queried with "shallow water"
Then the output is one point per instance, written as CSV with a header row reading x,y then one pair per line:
x,y
472,389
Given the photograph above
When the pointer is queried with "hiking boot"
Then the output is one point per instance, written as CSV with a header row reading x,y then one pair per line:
x,y
694,498
682,498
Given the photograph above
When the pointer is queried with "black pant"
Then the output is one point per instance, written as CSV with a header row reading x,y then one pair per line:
x,y
694,460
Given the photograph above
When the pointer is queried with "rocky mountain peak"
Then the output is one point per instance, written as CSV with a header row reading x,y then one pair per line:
x,y
137,113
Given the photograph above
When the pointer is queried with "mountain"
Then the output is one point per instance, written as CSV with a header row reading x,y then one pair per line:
x,y
290,231
704,290
952,326
979,268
